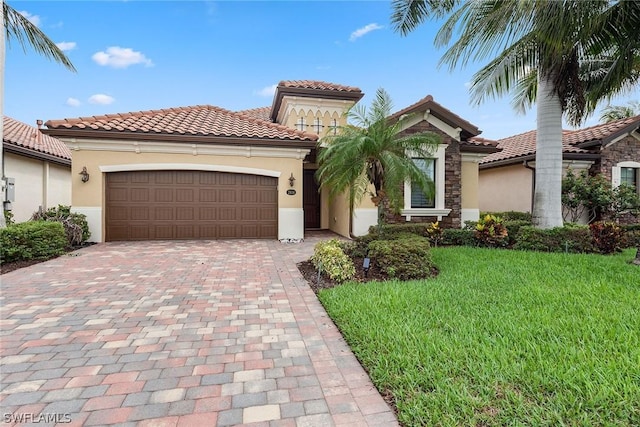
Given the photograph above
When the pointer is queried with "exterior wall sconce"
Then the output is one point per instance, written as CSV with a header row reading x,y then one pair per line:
x,y
292,180
84,174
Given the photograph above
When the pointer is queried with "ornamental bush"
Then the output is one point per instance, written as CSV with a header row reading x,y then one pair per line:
x,y
329,258
75,225
491,232
607,237
458,237
405,259
32,240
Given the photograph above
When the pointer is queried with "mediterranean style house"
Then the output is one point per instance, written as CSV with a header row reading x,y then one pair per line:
x,y
38,168
203,172
612,149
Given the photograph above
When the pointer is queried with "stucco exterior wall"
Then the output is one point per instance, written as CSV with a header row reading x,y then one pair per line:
x,y
339,215
89,197
506,188
37,183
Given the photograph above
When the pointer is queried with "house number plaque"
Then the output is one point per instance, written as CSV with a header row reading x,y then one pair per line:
x,y
291,192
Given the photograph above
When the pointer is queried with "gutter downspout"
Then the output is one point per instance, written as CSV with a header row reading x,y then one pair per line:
x,y
533,181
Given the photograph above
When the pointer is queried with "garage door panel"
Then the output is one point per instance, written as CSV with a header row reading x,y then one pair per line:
x,y
165,195
139,213
185,213
147,205
185,195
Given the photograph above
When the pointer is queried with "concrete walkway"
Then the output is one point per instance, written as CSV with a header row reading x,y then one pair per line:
x,y
193,333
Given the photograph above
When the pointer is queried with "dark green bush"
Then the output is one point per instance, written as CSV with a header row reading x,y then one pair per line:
x,y
458,237
607,237
631,239
513,227
404,259
410,227
75,225
32,240
571,238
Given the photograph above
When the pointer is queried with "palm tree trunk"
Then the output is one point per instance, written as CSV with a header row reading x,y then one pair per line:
x,y
547,205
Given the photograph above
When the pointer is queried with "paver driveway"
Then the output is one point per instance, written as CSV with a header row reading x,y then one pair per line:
x,y
178,333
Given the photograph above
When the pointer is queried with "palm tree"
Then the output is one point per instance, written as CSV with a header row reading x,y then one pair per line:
x,y
15,26
617,112
555,53
372,156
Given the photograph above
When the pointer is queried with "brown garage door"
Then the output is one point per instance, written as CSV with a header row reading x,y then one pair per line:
x,y
161,205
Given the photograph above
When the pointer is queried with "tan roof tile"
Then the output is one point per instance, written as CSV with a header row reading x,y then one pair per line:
x,y
315,84
205,120
262,113
29,137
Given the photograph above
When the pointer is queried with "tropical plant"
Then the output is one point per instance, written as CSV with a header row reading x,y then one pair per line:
x,y
371,155
16,26
564,55
617,112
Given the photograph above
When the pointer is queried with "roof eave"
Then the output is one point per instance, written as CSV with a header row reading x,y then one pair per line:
x,y
468,130
38,155
532,157
164,137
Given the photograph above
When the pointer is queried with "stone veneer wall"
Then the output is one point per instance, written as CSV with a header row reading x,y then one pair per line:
x,y
625,150
453,192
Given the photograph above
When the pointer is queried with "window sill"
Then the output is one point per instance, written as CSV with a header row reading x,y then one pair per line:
x,y
439,213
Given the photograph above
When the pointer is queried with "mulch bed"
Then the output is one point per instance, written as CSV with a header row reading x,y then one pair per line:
x,y
7,267
310,274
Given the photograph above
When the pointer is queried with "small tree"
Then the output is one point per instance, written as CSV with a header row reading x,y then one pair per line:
x,y
584,194
372,152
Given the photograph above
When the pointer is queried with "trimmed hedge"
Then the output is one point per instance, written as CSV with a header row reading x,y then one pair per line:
x,y
32,240
458,237
574,239
405,259
510,215
513,227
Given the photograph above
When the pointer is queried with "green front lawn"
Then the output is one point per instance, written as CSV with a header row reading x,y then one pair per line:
x,y
502,338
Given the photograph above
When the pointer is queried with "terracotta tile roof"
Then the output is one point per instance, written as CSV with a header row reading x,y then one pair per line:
x,y
262,113
601,132
481,142
572,140
318,85
525,144
22,135
198,120
428,103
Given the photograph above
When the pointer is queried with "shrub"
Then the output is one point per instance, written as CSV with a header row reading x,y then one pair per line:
x,y
631,239
570,238
458,237
491,232
388,230
32,240
607,237
330,259
434,233
510,215
8,217
513,227
404,259
75,225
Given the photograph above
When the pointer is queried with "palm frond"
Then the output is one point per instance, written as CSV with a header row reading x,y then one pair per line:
x,y
27,34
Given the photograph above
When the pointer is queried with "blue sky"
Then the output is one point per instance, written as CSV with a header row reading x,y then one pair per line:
x,y
140,55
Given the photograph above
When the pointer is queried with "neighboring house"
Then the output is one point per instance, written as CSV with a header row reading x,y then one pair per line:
x,y
612,149
38,167
203,172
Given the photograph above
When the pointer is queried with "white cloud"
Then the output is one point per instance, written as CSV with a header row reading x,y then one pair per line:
x,y
267,91
120,57
364,30
73,102
66,46
101,98
34,19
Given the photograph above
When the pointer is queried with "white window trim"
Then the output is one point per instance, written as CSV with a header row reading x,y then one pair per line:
x,y
439,210
616,172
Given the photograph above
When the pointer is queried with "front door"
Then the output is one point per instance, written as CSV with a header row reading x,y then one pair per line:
x,y
311,200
